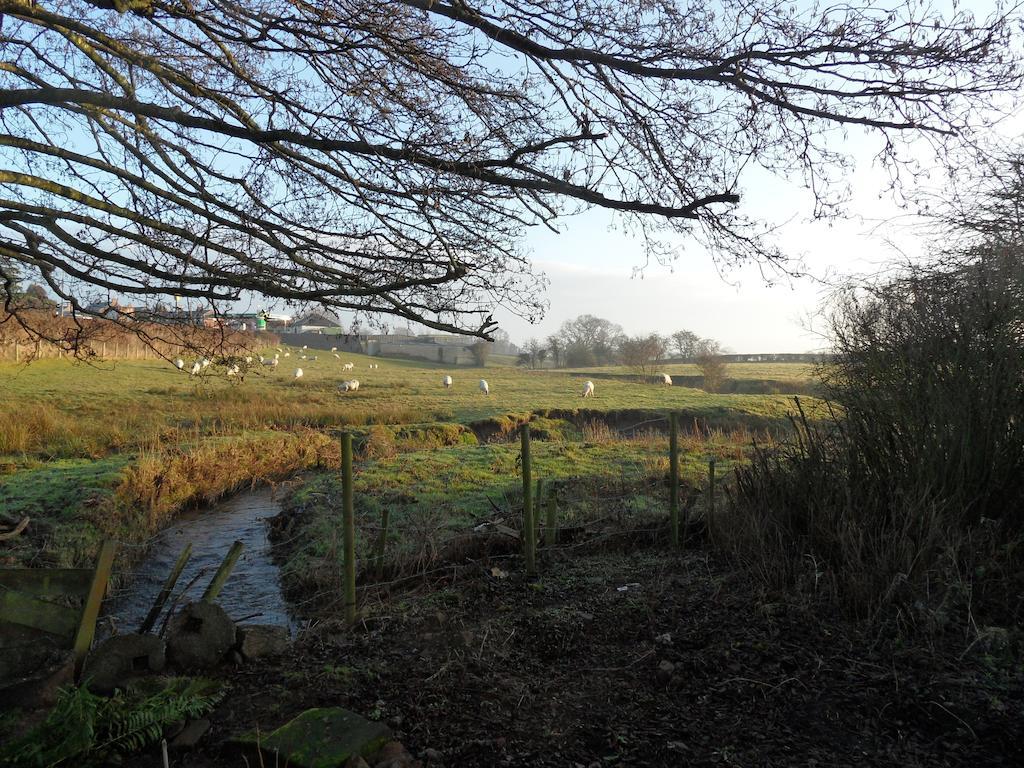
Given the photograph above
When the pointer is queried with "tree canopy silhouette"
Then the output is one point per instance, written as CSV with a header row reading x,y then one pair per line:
x,y
387,156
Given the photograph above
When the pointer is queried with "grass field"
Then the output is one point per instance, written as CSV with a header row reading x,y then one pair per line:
x,y
121,446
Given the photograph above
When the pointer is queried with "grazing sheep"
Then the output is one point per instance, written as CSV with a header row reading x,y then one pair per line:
x,y
206,362
304,346
666,380
349,386
298,373
337,355
588,389
248,359
348,366
271,363
196,368
279,349
485,387
312,358
233,370
447,381
179,364
287,354
334,349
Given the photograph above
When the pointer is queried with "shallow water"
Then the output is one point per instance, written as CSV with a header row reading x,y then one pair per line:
x,y
252,592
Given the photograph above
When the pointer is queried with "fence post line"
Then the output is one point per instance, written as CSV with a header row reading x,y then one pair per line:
x,y
349,527
673,476
529,531
711,492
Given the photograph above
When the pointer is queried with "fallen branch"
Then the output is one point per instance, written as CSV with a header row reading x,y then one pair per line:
x,y
18,529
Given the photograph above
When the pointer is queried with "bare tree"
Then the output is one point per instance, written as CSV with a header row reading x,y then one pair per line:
x,y
642,352
711,364
685,343
589,340
555,347
385,156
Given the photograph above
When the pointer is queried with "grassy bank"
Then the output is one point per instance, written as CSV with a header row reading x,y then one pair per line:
x,y
116,448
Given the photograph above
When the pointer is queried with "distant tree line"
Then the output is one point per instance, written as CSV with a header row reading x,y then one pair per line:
x,y
588,341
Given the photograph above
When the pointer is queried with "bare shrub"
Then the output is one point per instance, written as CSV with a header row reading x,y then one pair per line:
x,y
916,482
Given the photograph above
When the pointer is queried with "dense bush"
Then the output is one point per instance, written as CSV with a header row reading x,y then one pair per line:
x,y
913,492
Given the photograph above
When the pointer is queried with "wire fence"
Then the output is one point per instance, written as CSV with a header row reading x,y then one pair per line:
x,y
626,507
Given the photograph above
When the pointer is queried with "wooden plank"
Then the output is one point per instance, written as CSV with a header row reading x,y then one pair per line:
x,y
217,583
97,589
27,611
47,582
165,592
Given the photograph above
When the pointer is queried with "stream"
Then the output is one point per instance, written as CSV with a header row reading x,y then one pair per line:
x,y
252,592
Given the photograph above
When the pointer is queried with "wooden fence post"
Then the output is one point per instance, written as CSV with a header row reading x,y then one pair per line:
x,y
165,592
673,476
529,531
221,576
98,588
348,527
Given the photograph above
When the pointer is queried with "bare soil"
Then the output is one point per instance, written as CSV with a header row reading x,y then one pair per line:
x,y
639,659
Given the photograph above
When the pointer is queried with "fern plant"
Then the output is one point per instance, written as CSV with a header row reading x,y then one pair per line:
x,y
85,729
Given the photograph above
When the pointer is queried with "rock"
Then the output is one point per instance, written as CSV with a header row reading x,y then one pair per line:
x,y
199,636
319,738
191,734
665,670
257,641
118,659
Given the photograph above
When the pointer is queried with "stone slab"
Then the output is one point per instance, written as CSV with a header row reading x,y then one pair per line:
x,y
325,737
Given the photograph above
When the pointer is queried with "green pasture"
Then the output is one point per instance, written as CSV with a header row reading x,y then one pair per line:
x,y
75,435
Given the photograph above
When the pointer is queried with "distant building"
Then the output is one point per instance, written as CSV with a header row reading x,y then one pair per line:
x,y
315,322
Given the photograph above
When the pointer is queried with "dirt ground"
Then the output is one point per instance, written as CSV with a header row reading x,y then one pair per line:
x,y
641,659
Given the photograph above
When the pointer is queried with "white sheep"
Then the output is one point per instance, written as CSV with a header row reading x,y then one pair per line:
x,y
206,362
179,364
588,389
312,358
349,386
234,370
334,349
337,355
485,387
666,380
197,366
348,366
271,363
287,354
304,346
447,381
298,373
248,359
